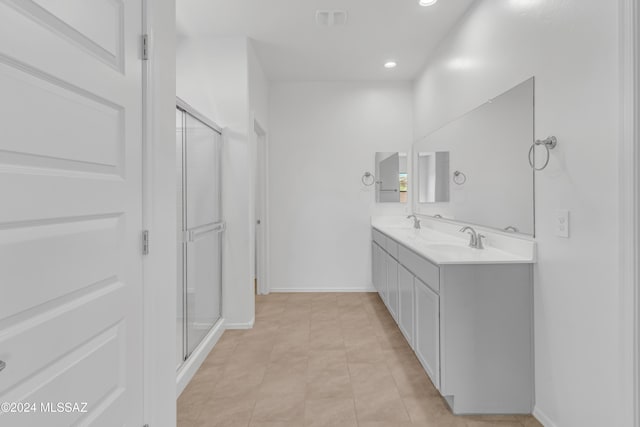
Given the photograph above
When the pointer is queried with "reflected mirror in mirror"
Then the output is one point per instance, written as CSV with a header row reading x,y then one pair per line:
x,y
433,177
489,178
391,177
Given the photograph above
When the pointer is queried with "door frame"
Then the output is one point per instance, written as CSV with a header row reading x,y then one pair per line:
x,y
629,230
261,237
159,213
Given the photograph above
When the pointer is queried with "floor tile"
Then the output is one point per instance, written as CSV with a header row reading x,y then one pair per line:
x,y
381,407
275,383
227,411
287,407
328,384
319,360
328,411
426,409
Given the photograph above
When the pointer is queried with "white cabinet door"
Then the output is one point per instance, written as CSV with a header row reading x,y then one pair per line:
x,y
392,285
381,272
374,266
71,218
427,327
405,303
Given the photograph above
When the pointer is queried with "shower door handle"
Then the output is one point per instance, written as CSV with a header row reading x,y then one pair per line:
x,y
196,233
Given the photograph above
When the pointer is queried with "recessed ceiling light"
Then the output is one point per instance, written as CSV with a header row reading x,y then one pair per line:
x,y
390,64
461,63
427,2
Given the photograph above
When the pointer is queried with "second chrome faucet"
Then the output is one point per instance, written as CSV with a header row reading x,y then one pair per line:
x,y
416,221
475,239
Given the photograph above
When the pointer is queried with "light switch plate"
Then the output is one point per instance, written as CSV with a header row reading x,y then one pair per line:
x,y
562,223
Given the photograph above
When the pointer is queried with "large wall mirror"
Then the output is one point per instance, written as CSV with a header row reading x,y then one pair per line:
x,y
475,169
391,177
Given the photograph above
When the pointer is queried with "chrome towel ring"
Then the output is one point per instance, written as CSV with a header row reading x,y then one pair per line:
x,y
459,177
549,144
368,179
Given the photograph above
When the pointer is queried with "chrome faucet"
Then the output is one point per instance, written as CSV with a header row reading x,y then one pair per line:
x,y
416,221
475,240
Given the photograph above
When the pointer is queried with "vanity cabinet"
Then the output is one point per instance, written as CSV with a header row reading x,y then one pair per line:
x,y
470,325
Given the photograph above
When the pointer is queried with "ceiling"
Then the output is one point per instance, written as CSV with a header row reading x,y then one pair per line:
x,y
292,47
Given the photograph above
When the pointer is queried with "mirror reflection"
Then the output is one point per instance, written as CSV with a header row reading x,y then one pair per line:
x,y
391,177
433,177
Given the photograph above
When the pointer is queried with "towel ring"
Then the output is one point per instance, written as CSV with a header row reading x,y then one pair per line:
x,y
368,179
459,177
549,144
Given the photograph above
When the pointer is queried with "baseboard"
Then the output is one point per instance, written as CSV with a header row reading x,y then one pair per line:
x,y
193,363
338,290
246,325
542,418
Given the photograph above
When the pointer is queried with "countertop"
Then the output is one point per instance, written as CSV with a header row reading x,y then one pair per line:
x,y
445,249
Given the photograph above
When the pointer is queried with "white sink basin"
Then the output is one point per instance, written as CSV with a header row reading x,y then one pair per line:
x,y
449,249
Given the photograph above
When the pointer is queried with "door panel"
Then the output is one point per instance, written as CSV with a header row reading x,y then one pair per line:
x,y
71,190
202,174
380,270
405,303
97,26
392,285
204,284
180,247
97,21
95,143
390,179
427,345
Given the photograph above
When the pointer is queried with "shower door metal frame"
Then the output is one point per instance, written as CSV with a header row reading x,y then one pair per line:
x,y
185,237
629,204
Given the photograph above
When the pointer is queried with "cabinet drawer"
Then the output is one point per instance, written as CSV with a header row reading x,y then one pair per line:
x,y
392,247
379,238
423,269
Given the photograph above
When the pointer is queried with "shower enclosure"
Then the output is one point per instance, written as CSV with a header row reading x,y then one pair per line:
x,y
200,227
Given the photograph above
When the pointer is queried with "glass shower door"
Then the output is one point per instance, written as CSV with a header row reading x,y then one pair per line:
x,y
201,227
180,250
203,230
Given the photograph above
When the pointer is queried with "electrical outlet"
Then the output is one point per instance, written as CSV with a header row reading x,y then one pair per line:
x,y
562,223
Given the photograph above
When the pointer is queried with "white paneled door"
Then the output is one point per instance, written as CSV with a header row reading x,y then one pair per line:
x,y
71,213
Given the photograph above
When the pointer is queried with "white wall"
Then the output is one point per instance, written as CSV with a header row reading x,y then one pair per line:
x,y
258,88
323,137
571,47
213,77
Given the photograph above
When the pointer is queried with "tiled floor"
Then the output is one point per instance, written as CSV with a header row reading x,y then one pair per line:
x,y
326,359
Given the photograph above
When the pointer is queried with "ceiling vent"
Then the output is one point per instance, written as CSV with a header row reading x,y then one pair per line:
x,y
331,18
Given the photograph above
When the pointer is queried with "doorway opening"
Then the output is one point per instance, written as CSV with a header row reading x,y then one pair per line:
x,y
261,287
